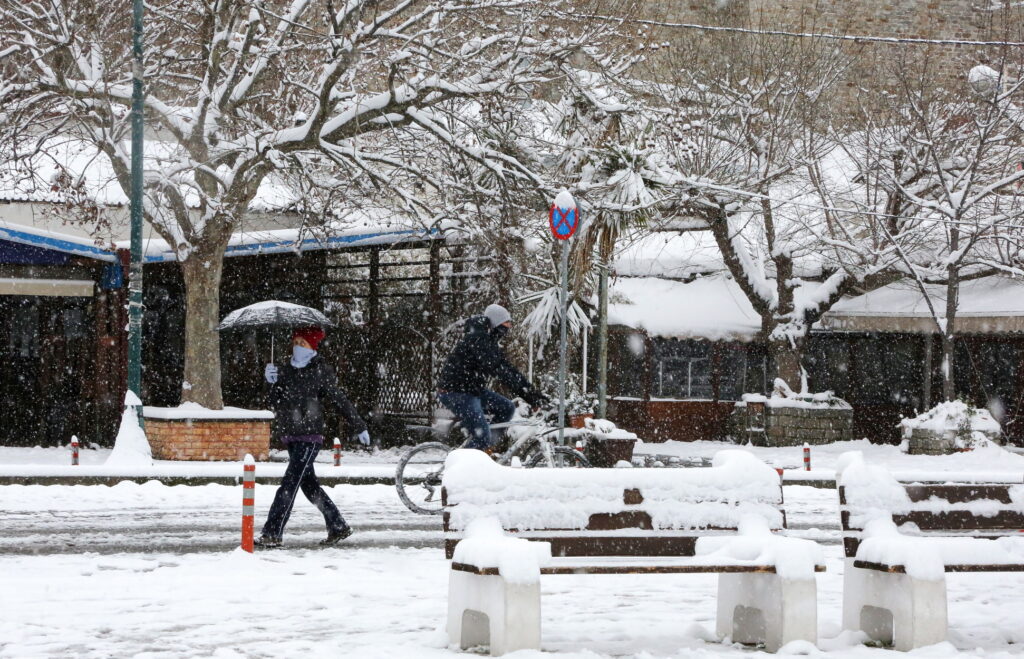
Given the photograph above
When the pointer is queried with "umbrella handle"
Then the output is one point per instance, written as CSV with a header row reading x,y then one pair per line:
x,y
271,346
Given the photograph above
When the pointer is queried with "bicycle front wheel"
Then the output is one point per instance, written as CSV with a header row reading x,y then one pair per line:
x,y
418,478
562,456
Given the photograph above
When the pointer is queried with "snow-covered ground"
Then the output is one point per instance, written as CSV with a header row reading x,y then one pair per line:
x,y
149,570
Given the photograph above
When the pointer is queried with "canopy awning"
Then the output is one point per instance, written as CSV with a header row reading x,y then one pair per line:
x,y
47,287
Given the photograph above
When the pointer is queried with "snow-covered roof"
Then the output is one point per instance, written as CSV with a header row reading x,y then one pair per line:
x,y
988,305
711,307
69,168
671,255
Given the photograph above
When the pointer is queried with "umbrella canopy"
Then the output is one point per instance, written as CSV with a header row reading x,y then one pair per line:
x,y
273,313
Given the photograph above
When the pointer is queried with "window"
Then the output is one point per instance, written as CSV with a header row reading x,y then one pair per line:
x,y
682,369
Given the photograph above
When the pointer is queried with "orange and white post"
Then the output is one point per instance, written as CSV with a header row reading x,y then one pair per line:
x,y
807,457
74,450
337,452
248,502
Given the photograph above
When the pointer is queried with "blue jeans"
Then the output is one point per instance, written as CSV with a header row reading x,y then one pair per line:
x,y
471,410
300,475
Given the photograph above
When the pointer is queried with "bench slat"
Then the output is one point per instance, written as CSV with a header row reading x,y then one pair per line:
x,y
632,565
959,493
956,520
683,545
900,569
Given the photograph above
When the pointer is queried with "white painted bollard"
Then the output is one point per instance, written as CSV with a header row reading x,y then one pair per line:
x,y
248,502
74,450
807,457
337,452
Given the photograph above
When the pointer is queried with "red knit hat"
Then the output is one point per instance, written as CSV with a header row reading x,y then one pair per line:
x,y
312,335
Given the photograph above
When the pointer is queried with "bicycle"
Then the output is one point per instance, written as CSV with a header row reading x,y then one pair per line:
x,y
420,470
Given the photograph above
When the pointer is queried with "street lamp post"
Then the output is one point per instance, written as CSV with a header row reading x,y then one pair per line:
x,y
135,269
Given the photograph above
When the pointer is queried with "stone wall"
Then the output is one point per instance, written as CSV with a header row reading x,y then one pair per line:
x,y
793,426
202,439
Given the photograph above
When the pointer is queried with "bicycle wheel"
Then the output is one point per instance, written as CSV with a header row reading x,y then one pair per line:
x,y
418,478
563,456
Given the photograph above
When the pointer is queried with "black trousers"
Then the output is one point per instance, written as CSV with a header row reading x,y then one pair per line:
x,y
300,475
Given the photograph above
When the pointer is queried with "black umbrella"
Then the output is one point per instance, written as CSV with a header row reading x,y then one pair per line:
x,y
273,313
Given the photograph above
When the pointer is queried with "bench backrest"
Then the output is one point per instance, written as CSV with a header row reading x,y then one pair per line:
x,y
611,512
969,509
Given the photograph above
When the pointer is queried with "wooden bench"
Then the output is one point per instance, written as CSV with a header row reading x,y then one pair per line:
x,y
622,521
901,538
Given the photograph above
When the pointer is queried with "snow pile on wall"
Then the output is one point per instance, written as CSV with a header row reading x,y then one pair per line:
x,y
737,485
487,546
131,446
969,426
783,396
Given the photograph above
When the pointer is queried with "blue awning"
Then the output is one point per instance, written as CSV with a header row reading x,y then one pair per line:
x,y
48,242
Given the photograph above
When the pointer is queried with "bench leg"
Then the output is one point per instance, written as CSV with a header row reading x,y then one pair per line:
x,y
487,610
765,608
894,608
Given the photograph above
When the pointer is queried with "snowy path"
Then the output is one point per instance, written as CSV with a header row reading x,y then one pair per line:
x,y
152,574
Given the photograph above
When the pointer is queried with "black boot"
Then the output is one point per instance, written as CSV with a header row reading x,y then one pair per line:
x,y
334,537
267,542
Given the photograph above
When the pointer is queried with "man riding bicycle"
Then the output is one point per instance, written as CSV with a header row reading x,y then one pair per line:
x,y
477,358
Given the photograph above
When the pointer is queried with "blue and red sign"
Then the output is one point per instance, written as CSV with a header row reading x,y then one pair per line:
x,y
563,221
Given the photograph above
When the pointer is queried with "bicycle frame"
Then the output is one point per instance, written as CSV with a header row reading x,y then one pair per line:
x,y
519,447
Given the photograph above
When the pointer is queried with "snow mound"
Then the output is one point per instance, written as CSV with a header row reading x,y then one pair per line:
x,y
487,546
131,448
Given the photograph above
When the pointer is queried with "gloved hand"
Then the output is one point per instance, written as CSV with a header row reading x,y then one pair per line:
x,y
364,438
270,373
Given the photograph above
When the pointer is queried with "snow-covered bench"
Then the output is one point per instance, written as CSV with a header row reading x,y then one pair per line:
x,y
900,539
504,527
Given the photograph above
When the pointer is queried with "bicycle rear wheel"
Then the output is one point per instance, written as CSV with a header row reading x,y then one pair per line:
x,y
418,478
563,456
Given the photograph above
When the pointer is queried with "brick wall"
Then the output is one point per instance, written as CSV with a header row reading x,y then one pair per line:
x,y
194,439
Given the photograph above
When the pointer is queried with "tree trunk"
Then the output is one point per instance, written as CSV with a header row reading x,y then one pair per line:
x,y
948,356
201,383
786,358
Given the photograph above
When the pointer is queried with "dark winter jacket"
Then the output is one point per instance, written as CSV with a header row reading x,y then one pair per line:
x,y
476,359
298,396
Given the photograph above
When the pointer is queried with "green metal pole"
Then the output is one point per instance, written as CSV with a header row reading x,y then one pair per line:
x,y
135,270
602,342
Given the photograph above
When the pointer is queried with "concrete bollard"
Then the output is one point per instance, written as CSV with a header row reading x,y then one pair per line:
x,y
807,457
337,452
74,450
248,502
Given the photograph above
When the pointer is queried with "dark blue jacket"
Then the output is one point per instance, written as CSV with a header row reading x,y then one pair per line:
x,y
476,359
298,397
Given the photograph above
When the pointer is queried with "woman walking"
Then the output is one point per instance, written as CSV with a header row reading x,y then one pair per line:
x,y
297,395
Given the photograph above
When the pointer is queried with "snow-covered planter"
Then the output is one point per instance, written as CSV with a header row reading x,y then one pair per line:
x,y
949,427
193,432
789,418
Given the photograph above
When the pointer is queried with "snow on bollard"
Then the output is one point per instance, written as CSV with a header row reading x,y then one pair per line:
x,y
337,452
807,457
248,502
74,450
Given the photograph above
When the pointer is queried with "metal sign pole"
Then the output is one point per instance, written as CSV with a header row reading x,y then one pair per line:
x,y
562,341
563,220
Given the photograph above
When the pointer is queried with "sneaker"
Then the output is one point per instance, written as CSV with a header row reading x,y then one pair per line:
x,y
267,542
334,537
